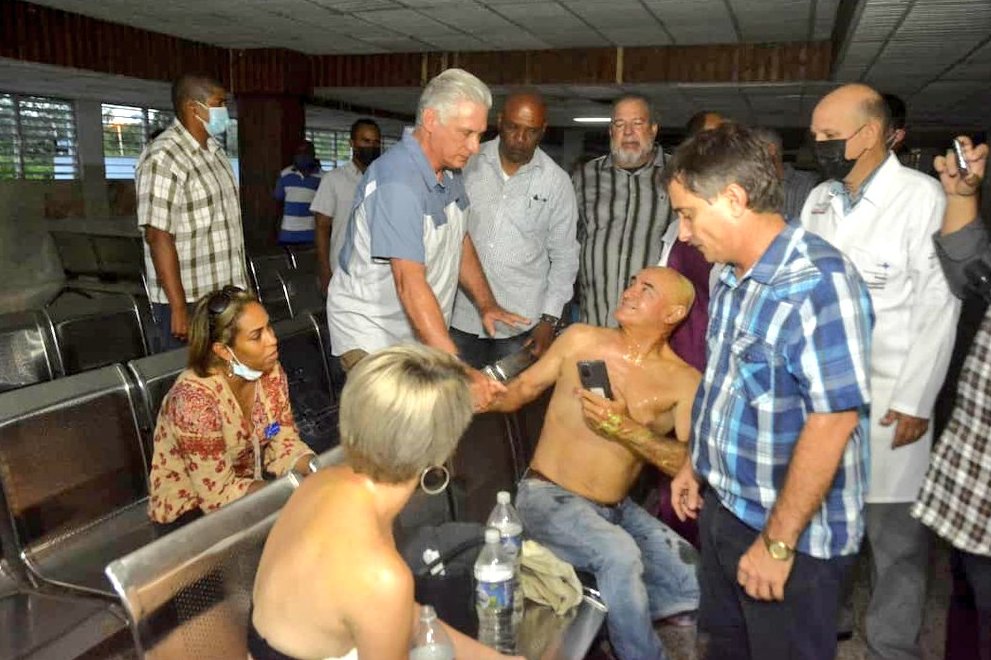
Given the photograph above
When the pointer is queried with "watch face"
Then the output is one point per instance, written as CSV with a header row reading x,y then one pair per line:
x,y
779,550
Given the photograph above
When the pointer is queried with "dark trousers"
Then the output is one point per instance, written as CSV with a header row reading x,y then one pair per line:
x,y
968,623
479,352
734,626
163,324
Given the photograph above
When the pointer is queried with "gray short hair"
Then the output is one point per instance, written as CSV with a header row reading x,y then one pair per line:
x,y
771,137
449,88
403,410
639,98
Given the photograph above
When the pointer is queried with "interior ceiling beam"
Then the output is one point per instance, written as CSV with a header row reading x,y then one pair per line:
x,y
732,63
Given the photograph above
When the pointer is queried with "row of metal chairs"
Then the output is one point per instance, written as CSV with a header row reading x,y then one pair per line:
x,y
286,281
74,459
68,338
188,595
79,333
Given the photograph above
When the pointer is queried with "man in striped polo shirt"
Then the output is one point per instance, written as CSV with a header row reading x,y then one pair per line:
x,y
295,188
623,210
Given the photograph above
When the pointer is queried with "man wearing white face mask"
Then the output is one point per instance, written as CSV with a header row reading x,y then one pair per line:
x,y
189,209
882,216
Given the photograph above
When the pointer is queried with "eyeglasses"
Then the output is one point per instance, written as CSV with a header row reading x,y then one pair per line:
x,y
219,301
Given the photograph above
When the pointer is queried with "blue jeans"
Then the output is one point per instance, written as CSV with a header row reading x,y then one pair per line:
x,y
643,569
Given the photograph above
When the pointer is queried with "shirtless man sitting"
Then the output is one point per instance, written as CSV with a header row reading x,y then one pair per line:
x,y
573,499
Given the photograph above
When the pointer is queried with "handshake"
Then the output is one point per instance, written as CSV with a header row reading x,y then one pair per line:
x,y
489,383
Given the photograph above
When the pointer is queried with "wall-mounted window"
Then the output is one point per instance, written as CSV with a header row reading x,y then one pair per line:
x,y
333,146
37,138
128,129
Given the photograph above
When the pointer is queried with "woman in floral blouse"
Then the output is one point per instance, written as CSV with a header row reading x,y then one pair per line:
x,y
227,420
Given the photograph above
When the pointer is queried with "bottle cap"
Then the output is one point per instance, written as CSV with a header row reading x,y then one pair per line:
x,y
427,613
492,535
503,497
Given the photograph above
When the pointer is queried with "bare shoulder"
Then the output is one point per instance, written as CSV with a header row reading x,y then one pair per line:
x,y
382,577
682,374
579,335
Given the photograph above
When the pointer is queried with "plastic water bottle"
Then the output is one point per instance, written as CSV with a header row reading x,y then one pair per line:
x,y
507,521
431,642
494,582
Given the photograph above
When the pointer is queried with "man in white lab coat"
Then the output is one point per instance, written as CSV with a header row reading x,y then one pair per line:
x,y
882,216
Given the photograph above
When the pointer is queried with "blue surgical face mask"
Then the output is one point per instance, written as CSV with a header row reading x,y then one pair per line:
x,y
241,369
219,119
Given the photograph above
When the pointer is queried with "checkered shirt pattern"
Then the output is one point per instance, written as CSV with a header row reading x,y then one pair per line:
x,y
191,193
955,500
789,338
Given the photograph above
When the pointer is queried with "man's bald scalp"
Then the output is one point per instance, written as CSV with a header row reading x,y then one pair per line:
x,y
679,287
869,103
530,97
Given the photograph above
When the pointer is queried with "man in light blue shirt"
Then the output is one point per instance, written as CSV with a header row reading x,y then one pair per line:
x,y
522,221
406,249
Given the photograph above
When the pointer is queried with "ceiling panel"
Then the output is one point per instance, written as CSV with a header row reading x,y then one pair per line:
x,y
921,48
772,20
614,14
406,21
470,18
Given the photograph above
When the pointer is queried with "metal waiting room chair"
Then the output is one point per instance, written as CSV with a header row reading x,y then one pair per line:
x,y
154,376
264,269
301,292
303,257
96,332
27,352
72,474
303,358
46,626
188,594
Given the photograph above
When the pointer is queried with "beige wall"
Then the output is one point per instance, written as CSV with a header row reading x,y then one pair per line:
x,y
30,270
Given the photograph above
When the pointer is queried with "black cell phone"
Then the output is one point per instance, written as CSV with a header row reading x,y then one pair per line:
x,y
961,161
594,377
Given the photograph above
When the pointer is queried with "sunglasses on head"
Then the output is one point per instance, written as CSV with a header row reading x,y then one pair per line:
x,y
219,301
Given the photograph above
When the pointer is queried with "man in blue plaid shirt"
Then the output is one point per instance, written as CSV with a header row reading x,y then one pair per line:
x,y
779,423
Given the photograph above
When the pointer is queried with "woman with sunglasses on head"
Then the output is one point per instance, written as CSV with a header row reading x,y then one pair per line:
x,y
226,421
331,583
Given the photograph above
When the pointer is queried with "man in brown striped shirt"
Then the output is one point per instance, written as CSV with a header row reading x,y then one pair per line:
x,y
623,210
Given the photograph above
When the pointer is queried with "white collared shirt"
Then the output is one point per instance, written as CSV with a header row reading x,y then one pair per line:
x,y
887,234
523,227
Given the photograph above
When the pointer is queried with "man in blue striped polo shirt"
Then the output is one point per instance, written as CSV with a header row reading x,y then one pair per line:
x,y
780,420
295,188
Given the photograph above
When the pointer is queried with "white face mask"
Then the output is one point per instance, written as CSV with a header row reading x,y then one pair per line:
x,y
241,369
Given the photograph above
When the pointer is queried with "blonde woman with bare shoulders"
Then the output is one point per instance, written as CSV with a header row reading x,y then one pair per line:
x,y
331,583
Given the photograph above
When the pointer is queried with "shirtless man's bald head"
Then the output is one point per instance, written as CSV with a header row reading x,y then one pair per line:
x,y
656,295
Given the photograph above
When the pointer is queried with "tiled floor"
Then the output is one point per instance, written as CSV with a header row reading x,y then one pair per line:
x,y
680,642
